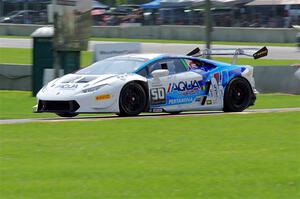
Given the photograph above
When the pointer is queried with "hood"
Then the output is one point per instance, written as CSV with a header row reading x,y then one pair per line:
x,y
84,79
71,84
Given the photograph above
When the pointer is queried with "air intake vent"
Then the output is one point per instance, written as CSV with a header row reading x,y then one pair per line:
x,y
58,106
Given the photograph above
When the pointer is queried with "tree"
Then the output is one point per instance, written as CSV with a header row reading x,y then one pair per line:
x,y
118,2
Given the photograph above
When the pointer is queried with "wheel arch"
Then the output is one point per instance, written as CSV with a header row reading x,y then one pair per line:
x,y
241,77
146,89
145,86
252,95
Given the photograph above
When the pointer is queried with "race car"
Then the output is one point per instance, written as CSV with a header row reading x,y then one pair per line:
x,y
131,84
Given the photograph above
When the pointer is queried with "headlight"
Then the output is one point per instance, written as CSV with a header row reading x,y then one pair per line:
x,y
92,89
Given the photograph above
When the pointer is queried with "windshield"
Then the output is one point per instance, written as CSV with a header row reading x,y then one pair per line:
x,y
113,66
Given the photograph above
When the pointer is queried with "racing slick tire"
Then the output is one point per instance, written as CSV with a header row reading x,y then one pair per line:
x,y
133,100
67,114
238,95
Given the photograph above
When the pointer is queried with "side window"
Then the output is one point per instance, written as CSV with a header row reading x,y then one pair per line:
x,y
153,67
193,64
173,65
179,66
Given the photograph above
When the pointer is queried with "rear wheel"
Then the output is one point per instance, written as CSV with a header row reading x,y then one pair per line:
x,y
238,95
133,100
67,114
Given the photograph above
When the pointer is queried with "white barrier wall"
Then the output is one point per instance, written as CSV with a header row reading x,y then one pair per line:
x,y
15,77
18,29
280,35
103,51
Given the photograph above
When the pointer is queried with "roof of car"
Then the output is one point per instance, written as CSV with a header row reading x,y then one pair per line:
x,y
148,56
154,56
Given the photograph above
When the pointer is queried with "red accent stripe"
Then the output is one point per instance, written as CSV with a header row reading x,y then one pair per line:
x,y
169,88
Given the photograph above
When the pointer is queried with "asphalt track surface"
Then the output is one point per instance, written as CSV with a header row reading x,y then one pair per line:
x,y
148,115
275,52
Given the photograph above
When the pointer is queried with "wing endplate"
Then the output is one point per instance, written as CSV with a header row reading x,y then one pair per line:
x,y
261,53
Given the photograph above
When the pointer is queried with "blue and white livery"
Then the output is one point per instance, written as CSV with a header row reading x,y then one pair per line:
x,y
130,84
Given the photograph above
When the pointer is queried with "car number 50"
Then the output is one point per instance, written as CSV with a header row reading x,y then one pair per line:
x,y
158,95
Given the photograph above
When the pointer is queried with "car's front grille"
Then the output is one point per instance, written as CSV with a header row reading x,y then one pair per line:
x,y
58,106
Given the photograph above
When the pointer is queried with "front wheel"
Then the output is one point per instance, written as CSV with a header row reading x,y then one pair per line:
x,y
238,95
133,100
67,114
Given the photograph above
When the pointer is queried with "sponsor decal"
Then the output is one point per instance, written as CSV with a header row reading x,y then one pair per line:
x,y
186,87
199,99
156,83
181,101
157,110
67,86
103,97
209,102
261,53
158,95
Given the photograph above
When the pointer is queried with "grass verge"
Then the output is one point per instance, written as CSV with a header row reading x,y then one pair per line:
x,y
173,41
224,156
18,104
24,56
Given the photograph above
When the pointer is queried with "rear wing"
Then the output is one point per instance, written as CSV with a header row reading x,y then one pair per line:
x,y
256,53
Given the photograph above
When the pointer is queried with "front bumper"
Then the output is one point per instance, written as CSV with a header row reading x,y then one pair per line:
x,y
57,106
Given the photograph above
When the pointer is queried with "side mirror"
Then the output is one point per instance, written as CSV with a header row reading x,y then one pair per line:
x,y
160,73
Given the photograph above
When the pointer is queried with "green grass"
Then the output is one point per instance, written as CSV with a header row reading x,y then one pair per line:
x,y
173,41
15,56
277,101
18,104
24,56
225,156
86,58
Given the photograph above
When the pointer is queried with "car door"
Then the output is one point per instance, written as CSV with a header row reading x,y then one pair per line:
x,y
178,91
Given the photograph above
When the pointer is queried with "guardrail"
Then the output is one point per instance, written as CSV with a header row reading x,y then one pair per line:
x,y
15,77
269,79
279,35
276,79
